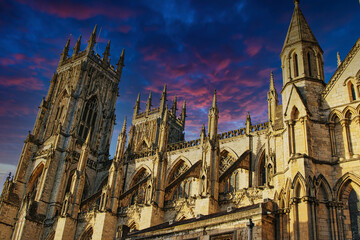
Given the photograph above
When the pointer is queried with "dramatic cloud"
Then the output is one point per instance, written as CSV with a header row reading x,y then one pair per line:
x,y
194,47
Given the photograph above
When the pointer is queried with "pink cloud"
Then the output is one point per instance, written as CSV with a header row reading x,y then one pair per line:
x,y
80,11
22,83
11,108
253,46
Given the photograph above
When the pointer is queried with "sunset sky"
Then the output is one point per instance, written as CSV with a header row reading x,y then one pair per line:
x,y
192,46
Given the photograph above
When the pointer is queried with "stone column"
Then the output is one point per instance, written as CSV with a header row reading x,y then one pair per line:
x,y
291,137
345,127
303,121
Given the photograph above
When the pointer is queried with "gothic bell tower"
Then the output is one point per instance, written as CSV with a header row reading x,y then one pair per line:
x,y
69,142
302,63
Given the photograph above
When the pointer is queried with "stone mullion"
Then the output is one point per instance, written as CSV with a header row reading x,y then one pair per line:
x,y
289,64
356,120
332,139
292,139
304,125
331,208
345,128
339,221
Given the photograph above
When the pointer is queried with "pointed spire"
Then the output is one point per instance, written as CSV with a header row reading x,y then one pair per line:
x,y
272,85
164,92
92,40
214,100
166,115
123,130
121,62
163,99
148,104
64,54
248,124
106,53
174,106
202,134
338,59
77,47
183,112
299,30
248,117
137,106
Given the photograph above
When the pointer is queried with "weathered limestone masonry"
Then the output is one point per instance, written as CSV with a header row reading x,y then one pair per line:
x,y
296,176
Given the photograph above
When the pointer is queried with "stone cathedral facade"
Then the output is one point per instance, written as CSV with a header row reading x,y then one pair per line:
x,y
296,176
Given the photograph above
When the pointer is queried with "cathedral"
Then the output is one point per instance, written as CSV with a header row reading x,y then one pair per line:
x,y
295,176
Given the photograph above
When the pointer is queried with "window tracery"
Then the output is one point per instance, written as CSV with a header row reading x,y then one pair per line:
x,y
183,190
226,160
181,168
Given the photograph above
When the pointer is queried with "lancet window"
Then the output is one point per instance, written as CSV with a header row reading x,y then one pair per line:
x,y
236,181
183,190
88,118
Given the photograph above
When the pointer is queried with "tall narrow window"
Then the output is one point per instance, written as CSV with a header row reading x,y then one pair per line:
x,y
88,118
353,92
296,66
354,214
309,64
237,186
186,189
232,183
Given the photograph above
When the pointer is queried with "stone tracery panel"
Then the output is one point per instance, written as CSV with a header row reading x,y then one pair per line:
x,y
226,160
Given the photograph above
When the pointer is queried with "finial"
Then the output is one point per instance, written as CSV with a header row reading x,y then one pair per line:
x,y
174,106
67,43
296,2
202,133
77,46
214,100
92,40
166,115
164,90
107,52
121,62
123,130
95,29
272,85
138,98
148,104
338,59
137,104
248,119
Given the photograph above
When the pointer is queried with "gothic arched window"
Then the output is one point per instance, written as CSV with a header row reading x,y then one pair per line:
x,y
352,93
88,118
296,65
309,64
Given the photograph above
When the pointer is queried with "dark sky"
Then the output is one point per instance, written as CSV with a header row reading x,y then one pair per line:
x,y
192,46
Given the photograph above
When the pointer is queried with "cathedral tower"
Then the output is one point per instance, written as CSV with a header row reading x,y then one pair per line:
x,y
69,142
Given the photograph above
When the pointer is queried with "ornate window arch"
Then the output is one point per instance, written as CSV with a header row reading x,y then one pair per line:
x,y
178,169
